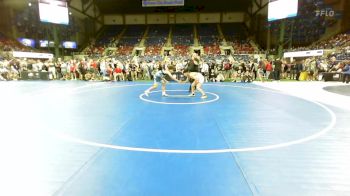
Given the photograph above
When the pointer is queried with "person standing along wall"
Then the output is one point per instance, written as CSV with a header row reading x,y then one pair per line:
x,y
299,69
268,68
346,72
277,70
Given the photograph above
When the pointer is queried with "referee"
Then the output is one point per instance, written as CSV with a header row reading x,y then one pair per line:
x,y
193,65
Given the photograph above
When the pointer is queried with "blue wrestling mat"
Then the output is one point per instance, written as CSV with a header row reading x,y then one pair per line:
x,y
111,139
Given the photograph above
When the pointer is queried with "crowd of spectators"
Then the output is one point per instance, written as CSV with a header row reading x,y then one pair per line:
x,y
7,45
236,37
119,64
338,42
242,46
157,38
181,40
306,69
308,26
235,68
153,50
212,49
93,50
181,50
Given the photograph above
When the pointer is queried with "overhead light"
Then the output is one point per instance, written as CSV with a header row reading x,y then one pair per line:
x,y
29,4
70,13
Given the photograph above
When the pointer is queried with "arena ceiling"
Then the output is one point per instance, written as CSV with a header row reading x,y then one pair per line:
x,y
135,6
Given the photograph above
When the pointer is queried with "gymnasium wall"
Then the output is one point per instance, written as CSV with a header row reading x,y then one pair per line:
x,y
210,18
231,17
185,18
174,18
157,18
135,19
115,19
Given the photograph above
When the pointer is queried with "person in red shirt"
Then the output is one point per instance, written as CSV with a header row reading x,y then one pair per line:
x,y
268,69
93,64
118,72
73,70
94,69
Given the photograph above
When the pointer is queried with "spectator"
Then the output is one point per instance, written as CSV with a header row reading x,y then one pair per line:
x,y
299,69
277,69
346,72
268,69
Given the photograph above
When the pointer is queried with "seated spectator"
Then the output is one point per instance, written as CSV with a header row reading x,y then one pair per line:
x,y
220,78
3,72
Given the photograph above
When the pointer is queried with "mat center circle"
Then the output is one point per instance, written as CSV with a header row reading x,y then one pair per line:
x,y
178,97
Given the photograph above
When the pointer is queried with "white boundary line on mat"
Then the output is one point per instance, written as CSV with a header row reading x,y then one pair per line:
x,y
208,151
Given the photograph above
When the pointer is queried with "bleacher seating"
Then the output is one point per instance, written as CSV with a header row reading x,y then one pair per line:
x,y
153,50
134,31
125,50
338,42
212,49
209,38
131,38
343,56
234,31
158,31
182,38
129,41
307,27
236,36
157,36
181,50
109,35
150,41
183,35
154,45
8,44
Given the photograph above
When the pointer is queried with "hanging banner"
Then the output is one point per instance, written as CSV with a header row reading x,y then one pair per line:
x,y
33,55
303,53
